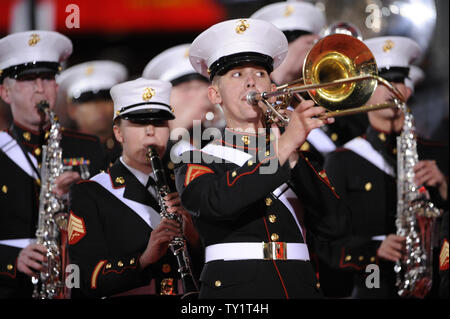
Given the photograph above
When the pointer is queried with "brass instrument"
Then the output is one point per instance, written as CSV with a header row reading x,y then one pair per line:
x,y
178,244
52,221
339,73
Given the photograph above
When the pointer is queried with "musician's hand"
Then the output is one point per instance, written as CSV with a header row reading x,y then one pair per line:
x,y
64,181
302,121
427,173
159,241
392,248
30,259
173,202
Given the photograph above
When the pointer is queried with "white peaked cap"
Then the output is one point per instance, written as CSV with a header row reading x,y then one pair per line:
x,y
170,64
292,15
230,38
393,51
142,99
92,76
24,51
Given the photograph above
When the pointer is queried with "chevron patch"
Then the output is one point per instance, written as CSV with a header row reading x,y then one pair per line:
x,y
76,229
194,171
443,256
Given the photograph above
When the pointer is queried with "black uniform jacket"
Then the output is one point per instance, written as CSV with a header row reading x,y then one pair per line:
x,y
233,202
19,195
368,184
107,235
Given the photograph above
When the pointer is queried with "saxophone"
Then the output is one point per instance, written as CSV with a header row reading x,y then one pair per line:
x,y
52,221
178,244
415,219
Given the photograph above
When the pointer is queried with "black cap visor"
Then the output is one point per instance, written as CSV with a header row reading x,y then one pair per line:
x,y
147,114
226,63
31,70
394,74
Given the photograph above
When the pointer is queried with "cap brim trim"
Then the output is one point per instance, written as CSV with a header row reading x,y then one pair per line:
x,y
29,68
226,63
158,111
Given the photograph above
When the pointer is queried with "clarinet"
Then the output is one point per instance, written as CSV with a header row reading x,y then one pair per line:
x,y
177,245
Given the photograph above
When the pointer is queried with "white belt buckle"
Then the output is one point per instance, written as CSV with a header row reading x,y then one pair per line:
x,y
274,250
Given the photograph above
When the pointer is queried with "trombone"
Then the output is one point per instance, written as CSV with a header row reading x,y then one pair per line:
x,y
339,73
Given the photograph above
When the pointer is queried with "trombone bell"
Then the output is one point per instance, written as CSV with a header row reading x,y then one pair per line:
x,y
336,57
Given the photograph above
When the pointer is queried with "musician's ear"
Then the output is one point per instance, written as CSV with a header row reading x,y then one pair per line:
x,y
118,132
214,94
5,91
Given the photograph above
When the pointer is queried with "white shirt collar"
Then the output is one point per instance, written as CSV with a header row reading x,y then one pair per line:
x,y
142,177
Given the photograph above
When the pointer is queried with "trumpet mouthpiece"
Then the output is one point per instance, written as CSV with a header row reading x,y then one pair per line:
x,y
252,98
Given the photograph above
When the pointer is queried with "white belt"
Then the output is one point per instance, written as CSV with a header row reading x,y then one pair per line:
x,y
264,251
18,243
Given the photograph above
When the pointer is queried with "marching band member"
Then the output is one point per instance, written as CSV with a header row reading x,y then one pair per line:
x,y
29,62
116,234
364,173
246,195
89,104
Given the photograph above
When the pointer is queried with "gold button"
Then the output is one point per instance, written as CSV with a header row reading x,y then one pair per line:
x,y
46,134
394,151
132,261
4,189
120,264
233,174
368,186
27,136
170,165
361,258
382,137
38,182
250,163
108,266
267,153
372,259
9,267
120,180
172,176
245,139
274,237
318,285
37,151
166,268
334,137
348,258
218,283
272,218
305,147
268,201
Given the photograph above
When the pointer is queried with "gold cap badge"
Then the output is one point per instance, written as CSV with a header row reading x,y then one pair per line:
x,y
242,26
148,94
388,45
288,11
34,39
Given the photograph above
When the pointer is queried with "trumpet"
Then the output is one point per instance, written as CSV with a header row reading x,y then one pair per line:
x,y
339,73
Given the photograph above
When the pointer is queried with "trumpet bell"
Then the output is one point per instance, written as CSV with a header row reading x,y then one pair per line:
x,y
336,57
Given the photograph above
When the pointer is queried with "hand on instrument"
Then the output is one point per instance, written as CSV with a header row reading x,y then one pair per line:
x,y
302,121
392,248
173,202
30,259
427,173
159,241
64,181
